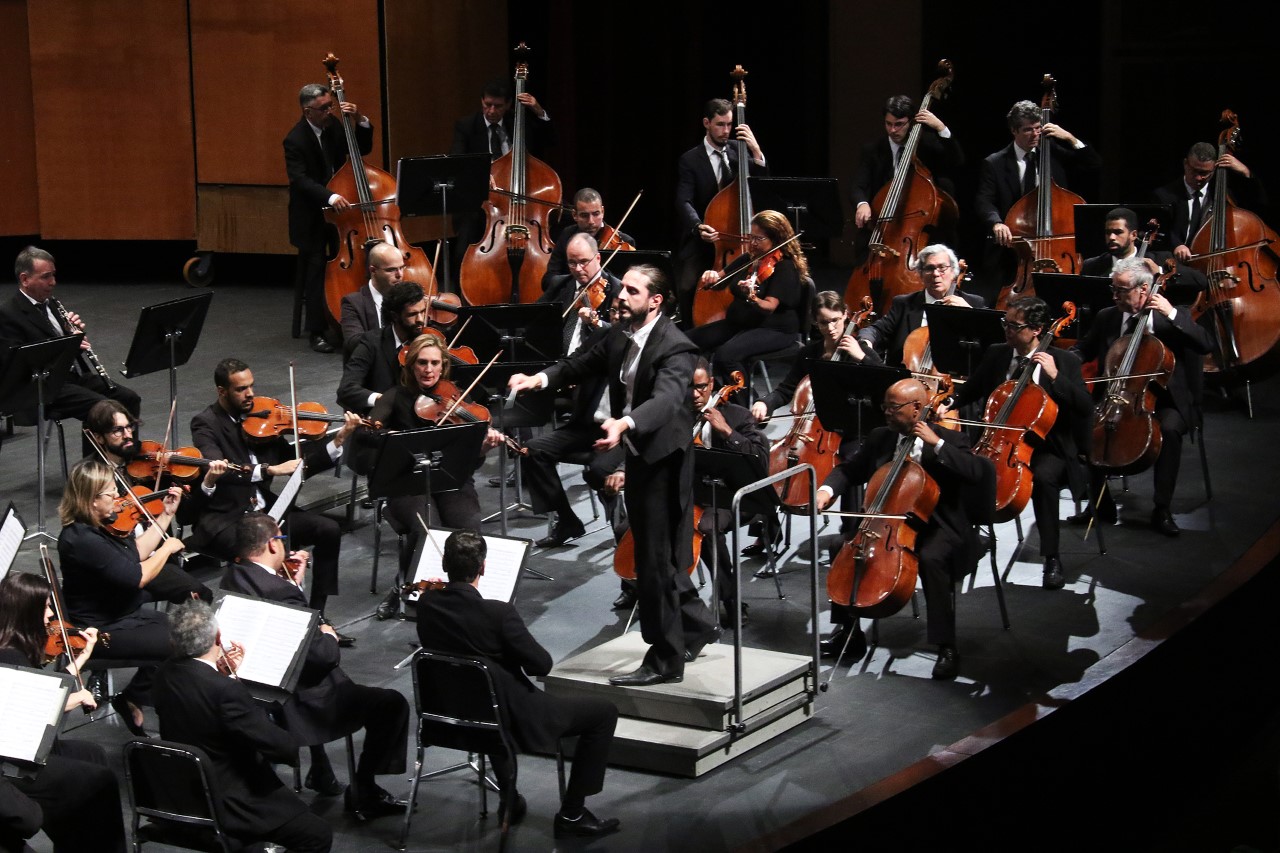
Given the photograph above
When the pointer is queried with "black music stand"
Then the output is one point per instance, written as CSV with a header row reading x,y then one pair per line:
x,y
847,395
1090,293
714,472
423,185
624,261
443,458
958,337
33,376
1091,219
533,332
812,204
166,336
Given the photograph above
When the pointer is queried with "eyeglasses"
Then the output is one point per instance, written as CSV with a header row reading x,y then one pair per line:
x,y
827,324
756,239
890,408
281,537
578,265
1014,327
701,386
120,430
930,269
1119,288
106,495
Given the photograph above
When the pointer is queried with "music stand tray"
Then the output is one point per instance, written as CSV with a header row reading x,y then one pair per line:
x,y
533,332
1090,293
812,204
50,360
166,334
624,261
452,451
1090,220
958,337
529,409
847,395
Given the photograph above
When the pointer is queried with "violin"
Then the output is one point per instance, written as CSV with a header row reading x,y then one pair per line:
x,y
269,419
182,464
457,355
65,639
422,586
129,515
610,238
445,404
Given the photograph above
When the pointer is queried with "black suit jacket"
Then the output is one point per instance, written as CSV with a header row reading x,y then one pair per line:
x,y
309,171
201,707
558,264
998,185
695,187
905,314
359,315
747,438
471,134
373,367
1246,192
1184,284
942,157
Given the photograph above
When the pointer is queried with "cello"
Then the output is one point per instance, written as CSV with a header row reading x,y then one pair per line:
x,y
372,218
1042,221
729,213
1235,250
906,208
507,264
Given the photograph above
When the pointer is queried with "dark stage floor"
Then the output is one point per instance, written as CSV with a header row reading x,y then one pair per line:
x,y
878,718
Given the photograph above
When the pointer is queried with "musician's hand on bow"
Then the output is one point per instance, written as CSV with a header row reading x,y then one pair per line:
x,y
338,203
81,698
707,233
491,440
613,429
759,411
862,215
1182,253
283,469
1002,235
825,499
709,278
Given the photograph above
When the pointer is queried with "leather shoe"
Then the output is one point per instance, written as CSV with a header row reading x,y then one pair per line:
x,y
345,641
1162,521
948,665
1106,514
390,606
323,782
835,644
1053,577
692,650
319,344
644,676
495,482
728,613
625,600
378,803
125,710
518,811
586,826
561,532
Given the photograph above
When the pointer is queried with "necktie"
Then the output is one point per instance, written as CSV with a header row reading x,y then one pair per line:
x,y
1019,366
1131,324
1193,224
495,142
897,158
1029,175
726,172
53,326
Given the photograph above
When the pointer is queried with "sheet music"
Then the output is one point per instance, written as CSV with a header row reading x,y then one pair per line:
x,y
501,569
11,536
270,633
287,494
31,704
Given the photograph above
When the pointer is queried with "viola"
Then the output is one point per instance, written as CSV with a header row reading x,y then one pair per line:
x,y
65,639
270,419
910,209
182,464
129,515
445,404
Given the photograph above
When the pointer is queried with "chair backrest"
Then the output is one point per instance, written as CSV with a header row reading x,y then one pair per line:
x,y
808,293
457,703
172,782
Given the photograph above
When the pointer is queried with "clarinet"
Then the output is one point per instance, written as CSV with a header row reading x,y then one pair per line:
x,y
88,353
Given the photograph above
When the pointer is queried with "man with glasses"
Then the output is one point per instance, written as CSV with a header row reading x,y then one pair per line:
x,y
947,544
314,150
1055,462
1176,402
374,364
588,218
362,310
938,268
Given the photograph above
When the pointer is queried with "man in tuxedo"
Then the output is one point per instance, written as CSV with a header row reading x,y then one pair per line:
x,y
590,406
1177,406
649,365
1121,234
200,706
458,620
1191,197
1055,462
219,433
588,218
703,171
938,268
947,546
314,150
362,310
374,365
29,318
327,705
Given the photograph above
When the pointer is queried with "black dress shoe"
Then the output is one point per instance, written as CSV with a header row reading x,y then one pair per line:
x,y
692,650
125,711
518,811
625,600
1106,514
755,549
835,644
644,676
1162,520
948,665
345,641
495,482
561,532
377,803
319,344
323,782
1053,577
389,608
587,825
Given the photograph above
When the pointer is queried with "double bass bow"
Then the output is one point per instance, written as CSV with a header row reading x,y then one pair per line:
x,y
907,207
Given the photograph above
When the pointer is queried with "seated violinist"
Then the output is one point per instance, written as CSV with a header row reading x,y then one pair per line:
x,y
423,379
374,364
105,575
220,433
588,219
947,545
1055,463
767,288
77,794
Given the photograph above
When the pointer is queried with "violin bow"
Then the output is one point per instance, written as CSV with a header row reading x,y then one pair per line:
x,y
474,382
293,412
461,328
55,598
168,433
617,228
724,280
124,486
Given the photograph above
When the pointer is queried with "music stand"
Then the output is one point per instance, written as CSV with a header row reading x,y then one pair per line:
x,y
959,336
33,375
1091,219
166,336
847,395
444,456
715,471
533,332
812,204
423,185
624,261
1090,293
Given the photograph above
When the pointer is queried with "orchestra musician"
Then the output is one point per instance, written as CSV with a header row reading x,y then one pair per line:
x,y
1177,406
77,794
104,579
362,310
1055,463
200,706
327,704
314,150
1191,197
374,365
938,268
947,547
588,218
218,431
1121,234
703,171
649,363
765,313
30,317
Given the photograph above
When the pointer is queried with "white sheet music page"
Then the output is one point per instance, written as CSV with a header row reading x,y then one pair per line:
x,y
30,702
11,534
501,568
270,634
287,494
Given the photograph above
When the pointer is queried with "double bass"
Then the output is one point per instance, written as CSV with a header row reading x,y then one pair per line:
x,y
1042,221
372,218
908,208
1238,255
508,262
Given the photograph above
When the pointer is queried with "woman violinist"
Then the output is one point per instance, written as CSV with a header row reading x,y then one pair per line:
x,y
104,578
76,790
765,313
946,547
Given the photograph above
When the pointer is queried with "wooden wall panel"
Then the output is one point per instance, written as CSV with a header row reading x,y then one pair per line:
x,y
112,98
249,59
243,219
20,214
